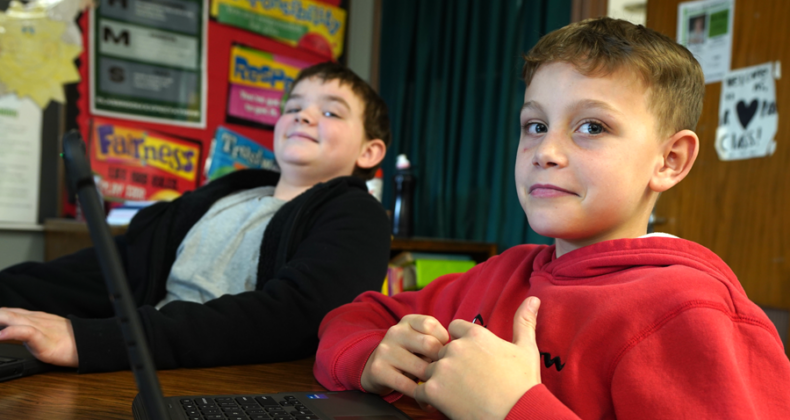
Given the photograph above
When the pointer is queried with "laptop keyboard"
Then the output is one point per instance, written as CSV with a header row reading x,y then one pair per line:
x,y
261,407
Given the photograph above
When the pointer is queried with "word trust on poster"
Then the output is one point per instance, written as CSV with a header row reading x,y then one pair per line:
x,y
748,119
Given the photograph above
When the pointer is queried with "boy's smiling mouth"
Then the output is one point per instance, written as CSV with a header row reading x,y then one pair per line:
x,y
548,191
301,136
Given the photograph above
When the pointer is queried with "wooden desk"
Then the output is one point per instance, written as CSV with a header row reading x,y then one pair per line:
x,y
68,395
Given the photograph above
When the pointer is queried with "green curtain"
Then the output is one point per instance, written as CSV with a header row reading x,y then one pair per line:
x,y
450,73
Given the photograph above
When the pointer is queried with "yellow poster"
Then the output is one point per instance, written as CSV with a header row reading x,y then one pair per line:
x,y
35,62
254,68
306,24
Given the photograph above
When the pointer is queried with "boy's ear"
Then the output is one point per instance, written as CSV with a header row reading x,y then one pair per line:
x,y
372,153
679,153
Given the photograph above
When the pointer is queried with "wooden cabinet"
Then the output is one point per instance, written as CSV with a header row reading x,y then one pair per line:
x,y
479,251
65,236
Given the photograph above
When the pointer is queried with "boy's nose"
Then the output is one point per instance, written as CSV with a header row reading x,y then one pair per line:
x,y
303,117
549,153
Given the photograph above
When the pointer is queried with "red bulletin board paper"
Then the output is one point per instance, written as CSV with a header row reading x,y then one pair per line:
x,y
220,40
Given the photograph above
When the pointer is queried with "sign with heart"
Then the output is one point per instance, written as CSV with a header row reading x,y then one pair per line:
x,y
747,113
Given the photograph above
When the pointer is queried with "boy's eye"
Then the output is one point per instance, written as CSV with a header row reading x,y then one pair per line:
x,y
535,128
592,127
330,114
291,109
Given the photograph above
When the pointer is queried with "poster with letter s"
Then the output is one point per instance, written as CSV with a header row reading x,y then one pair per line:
x,y
148,61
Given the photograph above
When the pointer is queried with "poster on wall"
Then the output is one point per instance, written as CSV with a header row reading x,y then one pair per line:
x,y
142,165
230,152
38,46
148,61
311,25
258,81
705,28
748,120
20,160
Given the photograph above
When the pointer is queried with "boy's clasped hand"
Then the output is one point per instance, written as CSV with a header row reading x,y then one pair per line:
x,y
420,358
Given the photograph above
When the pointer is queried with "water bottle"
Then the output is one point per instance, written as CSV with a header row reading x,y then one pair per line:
x,y
404,194
375,184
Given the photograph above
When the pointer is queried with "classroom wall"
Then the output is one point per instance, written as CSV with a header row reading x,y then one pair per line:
x,y
360,37
18,246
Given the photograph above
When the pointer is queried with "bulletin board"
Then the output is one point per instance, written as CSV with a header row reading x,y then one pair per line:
x,y
222,42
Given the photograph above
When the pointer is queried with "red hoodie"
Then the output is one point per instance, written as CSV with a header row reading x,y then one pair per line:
x,y
629,329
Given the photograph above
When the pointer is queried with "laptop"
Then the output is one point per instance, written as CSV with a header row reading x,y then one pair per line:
x,y
149,402
16,362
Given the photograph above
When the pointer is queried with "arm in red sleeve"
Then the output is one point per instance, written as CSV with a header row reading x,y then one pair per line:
x,y
704,362
350,333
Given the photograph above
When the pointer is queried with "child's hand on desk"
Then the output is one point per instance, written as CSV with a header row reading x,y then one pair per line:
x,y
48,337
403,355
478,375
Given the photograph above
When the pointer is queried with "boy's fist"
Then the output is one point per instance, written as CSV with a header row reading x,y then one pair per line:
x,y
404,353
490,373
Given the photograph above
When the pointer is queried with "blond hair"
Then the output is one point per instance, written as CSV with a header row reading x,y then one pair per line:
x,y
602,46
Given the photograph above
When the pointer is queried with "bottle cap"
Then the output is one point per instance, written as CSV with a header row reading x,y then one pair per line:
x,y
402,162
379,173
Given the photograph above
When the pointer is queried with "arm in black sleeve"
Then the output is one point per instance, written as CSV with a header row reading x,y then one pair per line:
x,y
344,253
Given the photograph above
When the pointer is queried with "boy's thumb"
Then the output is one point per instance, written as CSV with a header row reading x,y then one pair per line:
x,y
525,322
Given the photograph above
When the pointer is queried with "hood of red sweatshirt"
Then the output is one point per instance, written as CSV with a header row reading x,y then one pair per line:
x,y
609,257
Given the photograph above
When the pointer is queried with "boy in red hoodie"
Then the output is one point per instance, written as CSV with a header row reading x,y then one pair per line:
x,y
631,326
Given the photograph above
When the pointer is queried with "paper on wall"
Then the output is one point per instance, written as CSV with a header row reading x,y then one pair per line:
x,y
748,119
35,61
148,61
20,159
705,28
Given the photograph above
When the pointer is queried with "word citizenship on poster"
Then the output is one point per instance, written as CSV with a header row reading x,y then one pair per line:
x,y
230,151
258,81
148,61
306,24
142,165
748,119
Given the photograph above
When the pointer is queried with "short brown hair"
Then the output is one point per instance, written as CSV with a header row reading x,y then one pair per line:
x,y
375,116
673,77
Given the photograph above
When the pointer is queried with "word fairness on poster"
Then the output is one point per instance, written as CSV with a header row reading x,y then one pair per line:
x,y
309,25
748,119
258,81
140,165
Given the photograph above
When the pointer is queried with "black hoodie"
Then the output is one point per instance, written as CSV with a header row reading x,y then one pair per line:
x,y
319,251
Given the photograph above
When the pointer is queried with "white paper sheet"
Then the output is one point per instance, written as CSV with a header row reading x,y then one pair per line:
x,y
20,160
748,119
705,28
